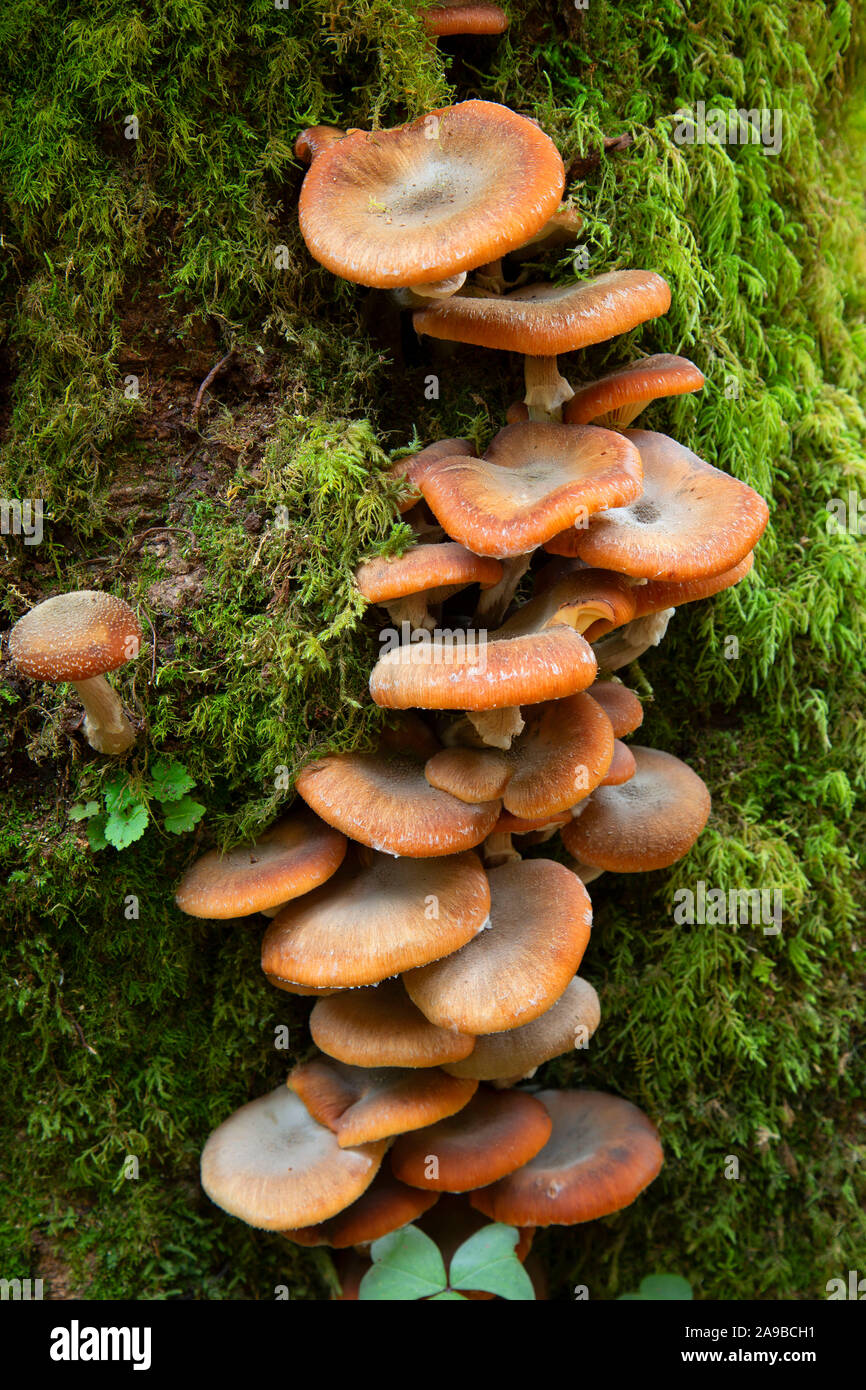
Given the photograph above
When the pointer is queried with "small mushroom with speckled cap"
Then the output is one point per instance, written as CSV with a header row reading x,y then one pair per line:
x,y
377,916
427,201
409,585
290,859
272,1165
540,918
362,1104
381,1027
497,1132
78,638
601,1155
542,321
517,1052
618,398
382,799
386,1206
649,822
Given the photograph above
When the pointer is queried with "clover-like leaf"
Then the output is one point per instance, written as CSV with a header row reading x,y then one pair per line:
x,y
450,1295
487,1261
120,795
83,811
665,1286
125,825
182,815
406,1265
96,833
170,781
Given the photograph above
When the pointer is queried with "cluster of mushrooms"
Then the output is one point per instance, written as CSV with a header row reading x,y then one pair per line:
x,y
409,894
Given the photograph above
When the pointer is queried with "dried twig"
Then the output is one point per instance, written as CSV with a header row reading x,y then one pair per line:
x,y
214,371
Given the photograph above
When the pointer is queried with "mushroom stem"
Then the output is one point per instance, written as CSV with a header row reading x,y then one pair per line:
x,y
493,602
630,642
439,289
491,276
587,873
412,609
106,727
546,390
497,727
498,849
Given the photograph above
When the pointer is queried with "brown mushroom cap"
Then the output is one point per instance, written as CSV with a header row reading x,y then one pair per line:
x,y
447,192
383,799
540,917
384,1207
544,320
534,480
362,1104
562,755
411,468
658,594
568,1023
470,774
495,1133
372,921
273,1166
621,705
75,637
523,825
622,766
601,1155
649,822
691,520
316,138
381,1027
424,568
448,17
614,400
290,859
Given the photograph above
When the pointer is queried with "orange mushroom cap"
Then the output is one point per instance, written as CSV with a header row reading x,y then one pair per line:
x,y
659,594
544,320
381,1027
316,138
622,766
386,1206
621,705
74,637
449,17
363,1104
424,568
410,468
569,1023
495,1133
616,399
601,1155
446,193
649,822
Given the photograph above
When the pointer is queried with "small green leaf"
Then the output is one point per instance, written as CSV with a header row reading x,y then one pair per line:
x,y
96,833
182,815
170,780
487,1261
125,826
120,796
665,1286
450,1295
80,811
406,1265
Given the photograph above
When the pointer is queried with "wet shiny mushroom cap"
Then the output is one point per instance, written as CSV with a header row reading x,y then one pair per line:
x,y
534,480
659,594
371,921
384,1207
75,637
562,755
425,568
362,1104
649,822
601,1155
290,859
446,193
621,705
569,1023
540,917
690,521
381,1027
616,399
272,1165
622,765
410,469
497,1132
544,320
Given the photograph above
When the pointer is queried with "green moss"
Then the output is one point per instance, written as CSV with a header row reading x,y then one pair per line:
x,y
154,257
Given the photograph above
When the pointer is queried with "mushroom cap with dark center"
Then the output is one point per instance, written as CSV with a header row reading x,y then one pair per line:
x,y
386,1206
362,1104
381,1027
75,637
449,17
621,705
273,1166
448,192
383,800
293,857
372,921
495,1133
622,766
533,481
649,822
690,521
601,1155
659,594
544,320
614,400
425,568
540,917
567,1024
